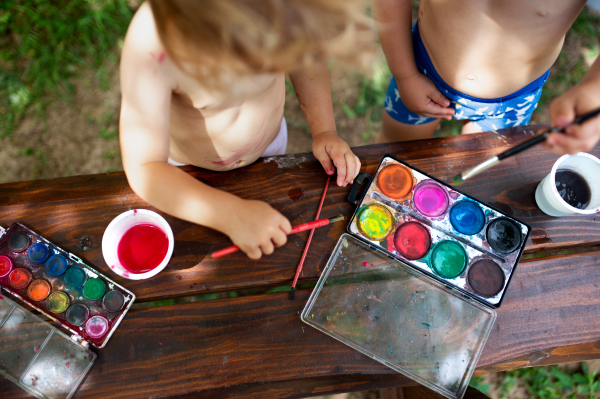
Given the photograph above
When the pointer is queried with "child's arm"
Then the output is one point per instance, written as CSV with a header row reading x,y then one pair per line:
x,y
146,84
417,91
580,99
314,95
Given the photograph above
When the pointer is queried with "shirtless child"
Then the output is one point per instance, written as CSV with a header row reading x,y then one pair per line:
x,y
483,62
203,84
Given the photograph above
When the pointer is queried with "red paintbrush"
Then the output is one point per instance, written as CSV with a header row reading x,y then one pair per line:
x,y
299,268
294,230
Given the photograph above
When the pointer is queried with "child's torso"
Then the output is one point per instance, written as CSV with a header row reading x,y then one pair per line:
x,y
492,48
228,129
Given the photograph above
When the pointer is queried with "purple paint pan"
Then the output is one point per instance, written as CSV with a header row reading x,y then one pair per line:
x,y
430,199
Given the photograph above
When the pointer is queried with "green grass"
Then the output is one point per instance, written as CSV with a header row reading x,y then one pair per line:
x,y
546,383
44,43
567,72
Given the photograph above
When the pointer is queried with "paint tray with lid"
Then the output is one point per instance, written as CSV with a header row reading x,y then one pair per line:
x,y
58,284
443,232
399,316
38,357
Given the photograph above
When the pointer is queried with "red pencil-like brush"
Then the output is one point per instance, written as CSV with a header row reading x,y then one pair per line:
x,y
299,268
295,229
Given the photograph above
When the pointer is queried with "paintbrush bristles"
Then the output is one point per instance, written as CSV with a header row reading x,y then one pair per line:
x,y
336,219
457,179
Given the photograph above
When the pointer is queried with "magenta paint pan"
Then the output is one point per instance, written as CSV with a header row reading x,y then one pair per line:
x,y
430,198
440,231
61,286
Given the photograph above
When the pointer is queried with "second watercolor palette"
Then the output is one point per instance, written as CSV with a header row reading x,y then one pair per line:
x,y
59,285
441,231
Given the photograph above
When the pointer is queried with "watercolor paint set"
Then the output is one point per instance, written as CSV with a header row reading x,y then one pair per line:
x,y
415,281
443,232
86,304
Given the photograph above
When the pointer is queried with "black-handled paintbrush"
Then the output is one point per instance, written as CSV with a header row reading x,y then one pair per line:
x,y
518,148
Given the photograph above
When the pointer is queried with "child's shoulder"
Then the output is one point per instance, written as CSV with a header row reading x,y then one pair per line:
x,y
142,38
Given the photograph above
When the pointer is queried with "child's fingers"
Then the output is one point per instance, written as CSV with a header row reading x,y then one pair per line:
x,y
267,247
279,238
325,160
562,111
252,252
561,144
285,225
356,167
351,166
437,109
439,98
340,164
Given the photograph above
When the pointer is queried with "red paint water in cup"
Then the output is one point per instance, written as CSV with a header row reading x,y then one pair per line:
x,y
142,248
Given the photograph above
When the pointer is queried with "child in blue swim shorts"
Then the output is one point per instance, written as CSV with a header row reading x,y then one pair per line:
x,y
485,114
481,62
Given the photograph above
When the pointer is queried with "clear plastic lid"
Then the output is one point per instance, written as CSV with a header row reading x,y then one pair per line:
x,y
400,317
38,357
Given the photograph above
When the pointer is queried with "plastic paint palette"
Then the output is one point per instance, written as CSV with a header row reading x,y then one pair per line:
x,y
36,356
415,283
87,305
52,280
440,230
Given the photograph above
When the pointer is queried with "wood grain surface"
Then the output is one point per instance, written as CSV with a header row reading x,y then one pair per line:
x,y
257,346
68,209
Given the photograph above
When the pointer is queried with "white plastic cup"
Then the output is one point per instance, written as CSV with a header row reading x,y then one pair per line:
x,y
117,228
549,200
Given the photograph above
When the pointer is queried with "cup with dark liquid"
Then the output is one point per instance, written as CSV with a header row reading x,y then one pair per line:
x,y
572,186
138,244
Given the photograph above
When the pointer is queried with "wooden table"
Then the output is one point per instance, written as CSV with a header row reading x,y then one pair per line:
x,y
256,346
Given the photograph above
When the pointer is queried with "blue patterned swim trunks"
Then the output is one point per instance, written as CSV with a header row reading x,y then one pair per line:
x,y
486,114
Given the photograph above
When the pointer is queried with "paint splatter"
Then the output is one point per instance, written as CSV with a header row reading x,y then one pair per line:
x,y
364,264
160,343
160,58
1,297
373,297
36,349
67,364
72,356
178,277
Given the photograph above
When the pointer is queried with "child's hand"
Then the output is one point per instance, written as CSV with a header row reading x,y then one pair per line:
x,y
577,101
331,150
421,96
257,228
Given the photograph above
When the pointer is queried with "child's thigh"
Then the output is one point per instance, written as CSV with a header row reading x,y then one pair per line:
x,y
397,131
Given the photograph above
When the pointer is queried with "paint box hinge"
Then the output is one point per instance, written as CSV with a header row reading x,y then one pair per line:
x,y
75,258
2,231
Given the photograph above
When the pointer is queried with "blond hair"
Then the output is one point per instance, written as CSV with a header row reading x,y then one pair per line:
x,y
206,37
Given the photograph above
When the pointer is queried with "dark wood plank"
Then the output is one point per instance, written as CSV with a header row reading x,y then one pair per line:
x,y
65,210
244,346
420,392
